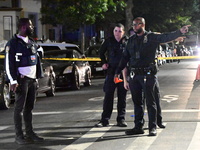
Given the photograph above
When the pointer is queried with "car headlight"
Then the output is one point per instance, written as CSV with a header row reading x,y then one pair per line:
x,y
68,70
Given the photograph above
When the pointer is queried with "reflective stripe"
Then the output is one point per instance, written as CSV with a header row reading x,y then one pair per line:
x,y
8,71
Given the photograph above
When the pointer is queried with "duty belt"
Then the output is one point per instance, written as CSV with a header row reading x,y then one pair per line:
x,y
140,71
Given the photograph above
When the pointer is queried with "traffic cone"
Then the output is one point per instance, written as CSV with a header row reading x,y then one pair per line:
x,y
198,73
117,80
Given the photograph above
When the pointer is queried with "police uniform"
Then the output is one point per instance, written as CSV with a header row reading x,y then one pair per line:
x,y
114,50
140,53
23,68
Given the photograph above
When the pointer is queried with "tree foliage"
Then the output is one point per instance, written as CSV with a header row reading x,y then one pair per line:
x,y
164,15
74,13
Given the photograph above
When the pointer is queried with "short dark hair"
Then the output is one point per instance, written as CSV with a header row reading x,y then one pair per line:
x,y
119,25
22,22
140,19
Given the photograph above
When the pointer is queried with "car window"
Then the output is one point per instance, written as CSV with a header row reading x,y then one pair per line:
x,y
93,51
76,54
59,54
50,48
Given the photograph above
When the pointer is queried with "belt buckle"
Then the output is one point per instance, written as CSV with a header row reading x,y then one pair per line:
x,y
131,74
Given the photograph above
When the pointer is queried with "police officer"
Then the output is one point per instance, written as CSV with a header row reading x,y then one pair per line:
x,y
114,47
156,95
140,53
23,68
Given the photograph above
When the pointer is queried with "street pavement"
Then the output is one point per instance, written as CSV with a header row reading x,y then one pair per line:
x,y
67,120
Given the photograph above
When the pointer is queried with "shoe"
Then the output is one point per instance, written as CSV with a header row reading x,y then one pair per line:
x,y
34,138
134,131
21,140
102,124
122,124
161,126
152,132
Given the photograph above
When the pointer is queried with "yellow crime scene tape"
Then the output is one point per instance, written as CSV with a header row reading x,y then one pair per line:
x,y
98,59
2,56
75,59
179,57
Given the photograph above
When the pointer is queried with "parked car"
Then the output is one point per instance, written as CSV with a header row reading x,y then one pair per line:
x,y
69,73
58,46
96,66
160,54
45,85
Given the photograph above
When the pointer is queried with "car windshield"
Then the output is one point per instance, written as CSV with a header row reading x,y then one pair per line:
x,y
93,51
59,54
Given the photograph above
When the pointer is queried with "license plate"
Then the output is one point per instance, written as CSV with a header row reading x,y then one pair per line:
x,y
99,69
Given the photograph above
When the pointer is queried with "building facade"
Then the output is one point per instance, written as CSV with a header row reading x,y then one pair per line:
x,y
12,10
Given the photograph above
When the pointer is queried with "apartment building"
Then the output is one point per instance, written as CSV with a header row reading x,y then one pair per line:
x,y
12,10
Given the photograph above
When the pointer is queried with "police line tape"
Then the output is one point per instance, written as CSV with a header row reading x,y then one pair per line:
x,y
98,59
178,57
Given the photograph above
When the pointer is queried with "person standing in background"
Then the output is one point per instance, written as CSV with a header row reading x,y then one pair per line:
x,y
23,67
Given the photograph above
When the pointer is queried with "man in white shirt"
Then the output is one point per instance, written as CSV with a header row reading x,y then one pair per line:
x,y
23,67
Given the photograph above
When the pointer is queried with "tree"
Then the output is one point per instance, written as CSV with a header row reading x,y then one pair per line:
x,y
164,15
129,15
76,13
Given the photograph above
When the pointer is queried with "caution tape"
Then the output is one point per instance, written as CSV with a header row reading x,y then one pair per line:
x,y
75,59
2,56
98,59
178,57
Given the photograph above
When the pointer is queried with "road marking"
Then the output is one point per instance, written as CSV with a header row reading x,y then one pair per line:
x,y
49,113
170,98
166,111
3,127
100,98
128,111
195,144
144,141
87,139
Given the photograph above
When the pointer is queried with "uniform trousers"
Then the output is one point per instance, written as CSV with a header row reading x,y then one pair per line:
x,y
109,89
25,96
157,98
138,84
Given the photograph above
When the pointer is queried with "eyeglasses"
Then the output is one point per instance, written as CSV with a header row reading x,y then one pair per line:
x,y
136,24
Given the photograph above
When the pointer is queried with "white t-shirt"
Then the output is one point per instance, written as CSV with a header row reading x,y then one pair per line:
x,y
29,71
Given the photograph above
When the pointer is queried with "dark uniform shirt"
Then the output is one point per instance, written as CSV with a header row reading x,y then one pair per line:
x,y
114,50
141,50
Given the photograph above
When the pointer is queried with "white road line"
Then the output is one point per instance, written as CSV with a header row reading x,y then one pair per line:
x,y
49,113
3,127
166,111
129,111
195,144
87,139
144,141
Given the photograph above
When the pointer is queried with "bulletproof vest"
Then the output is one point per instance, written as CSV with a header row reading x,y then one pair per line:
x,y
138,45
26,55
115,50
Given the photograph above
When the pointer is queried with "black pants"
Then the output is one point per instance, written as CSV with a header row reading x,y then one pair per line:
x,y
109,89
138,84
157,98
25,96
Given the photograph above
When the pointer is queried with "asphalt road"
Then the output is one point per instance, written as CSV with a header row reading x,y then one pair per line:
x,y
67,120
